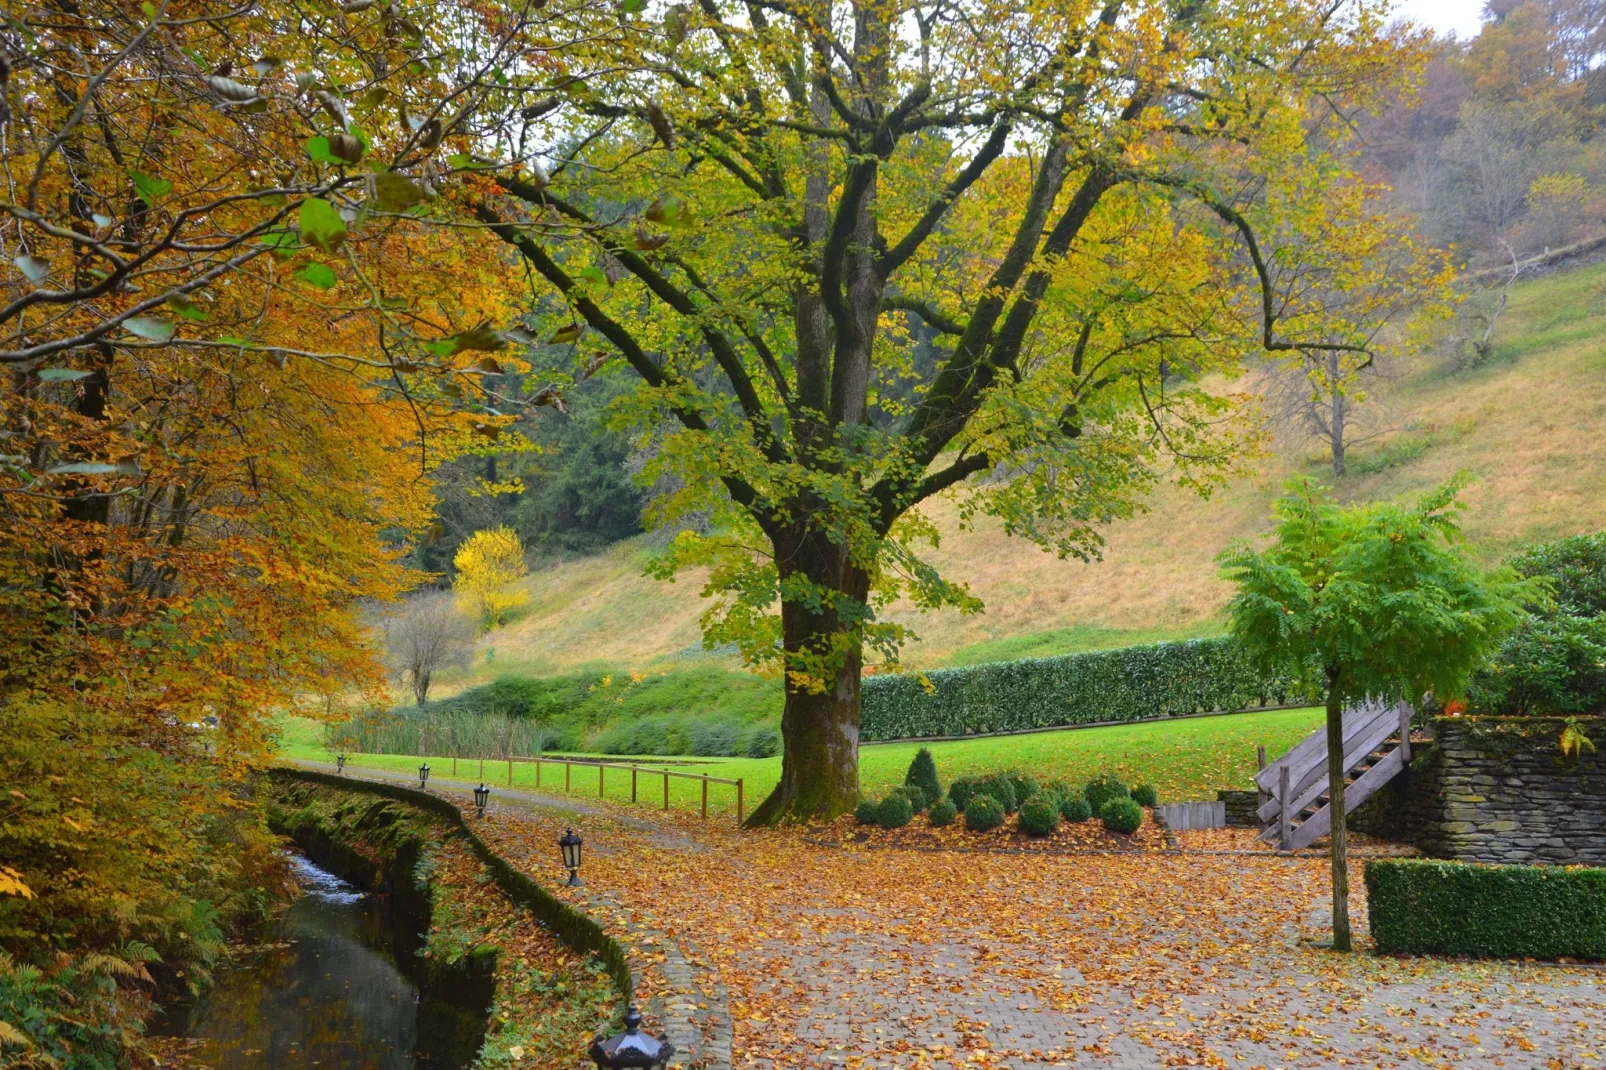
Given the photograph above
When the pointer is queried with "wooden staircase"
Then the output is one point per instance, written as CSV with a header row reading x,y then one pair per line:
x,y
1294,810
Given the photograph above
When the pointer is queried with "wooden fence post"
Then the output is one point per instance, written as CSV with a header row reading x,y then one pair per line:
x,y
602,771
482,770
633,783
705,798
1285,820
1405,731
666,790
510,772
568,776
1260,793
538,762
738,802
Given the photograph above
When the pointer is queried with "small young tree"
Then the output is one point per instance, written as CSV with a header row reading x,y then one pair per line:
x,y
423,635
489,566
1376,601
923,773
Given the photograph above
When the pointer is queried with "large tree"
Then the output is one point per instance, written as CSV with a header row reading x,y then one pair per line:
x,y
863,253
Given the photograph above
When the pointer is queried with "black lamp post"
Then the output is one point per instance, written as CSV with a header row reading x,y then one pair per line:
x,y
570,843
340,763
482,795
423,775
632,1047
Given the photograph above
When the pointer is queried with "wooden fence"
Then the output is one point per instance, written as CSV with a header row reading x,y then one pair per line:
x,y
636,773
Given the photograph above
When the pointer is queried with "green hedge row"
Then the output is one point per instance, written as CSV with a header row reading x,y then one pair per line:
x,y
1127,684
574,927
1427,907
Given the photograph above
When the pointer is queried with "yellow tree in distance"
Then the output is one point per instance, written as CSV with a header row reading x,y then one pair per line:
x,y
489,566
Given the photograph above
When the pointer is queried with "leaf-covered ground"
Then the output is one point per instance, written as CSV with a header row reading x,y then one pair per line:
x,y
868,954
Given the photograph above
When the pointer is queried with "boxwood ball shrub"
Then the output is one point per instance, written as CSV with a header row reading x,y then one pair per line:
x,y
1002,790
983,814
961,791
942,813
1101,789
923,773
1146,795
915,794
865,812
1074,808
1422,906
894,812
1121,814
1025,784
1039,815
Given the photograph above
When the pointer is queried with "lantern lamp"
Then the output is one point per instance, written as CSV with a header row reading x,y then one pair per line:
x,y
571,843
632,1047
482,795
340,763
423,775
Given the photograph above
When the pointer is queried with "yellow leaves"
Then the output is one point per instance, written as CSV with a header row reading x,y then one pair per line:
x,y
74,825
489,565
11,883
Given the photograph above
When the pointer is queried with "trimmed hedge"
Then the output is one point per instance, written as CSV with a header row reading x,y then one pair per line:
x,y
1039,815
894,812
574,927
1126,684
1121,815
983,814
942,813
1430,907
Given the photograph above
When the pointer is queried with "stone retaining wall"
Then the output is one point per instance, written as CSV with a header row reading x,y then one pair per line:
x,y
1242,808
1497,789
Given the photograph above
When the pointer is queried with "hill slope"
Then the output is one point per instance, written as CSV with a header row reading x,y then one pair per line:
x,y
1527,428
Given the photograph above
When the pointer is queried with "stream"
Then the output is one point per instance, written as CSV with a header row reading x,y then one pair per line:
x,y
325,991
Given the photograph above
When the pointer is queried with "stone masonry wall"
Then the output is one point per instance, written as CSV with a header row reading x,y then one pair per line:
x,y
1498,790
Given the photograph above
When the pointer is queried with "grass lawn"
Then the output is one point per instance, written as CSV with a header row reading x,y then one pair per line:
x,y
1189,758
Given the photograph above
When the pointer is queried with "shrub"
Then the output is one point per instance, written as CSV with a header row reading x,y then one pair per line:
x,y
714,739
1429,907
1101,789
923,772
1146,795
894,812
1074,808
912,792
942,813
1002,789
1128,684
961,791
984,814
1040,815
763,741
1121,814
1024,784
865,812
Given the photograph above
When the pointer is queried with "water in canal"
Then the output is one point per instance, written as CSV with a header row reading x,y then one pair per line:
x,y
326,992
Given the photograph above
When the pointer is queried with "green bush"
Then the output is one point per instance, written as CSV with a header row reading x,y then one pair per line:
x,y
912,792
1146,795
1074,808
984,814
1429,907
1024,784
865,812
1002,790
894,812
1101,789
942,813
961,791
715,739
1165,679
1121,815
763,741
923,772
1040,815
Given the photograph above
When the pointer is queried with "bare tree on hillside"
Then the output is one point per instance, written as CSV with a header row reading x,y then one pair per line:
x,y
425,634
1320,398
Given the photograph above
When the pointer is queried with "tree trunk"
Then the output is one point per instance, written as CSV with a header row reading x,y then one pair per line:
x,y
819,731
1335,802
1336,428
421,686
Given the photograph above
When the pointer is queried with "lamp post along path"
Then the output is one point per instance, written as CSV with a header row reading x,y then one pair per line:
x,y
571,844
632,1047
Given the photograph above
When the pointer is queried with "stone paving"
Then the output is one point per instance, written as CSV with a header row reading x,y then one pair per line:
x,y
853,958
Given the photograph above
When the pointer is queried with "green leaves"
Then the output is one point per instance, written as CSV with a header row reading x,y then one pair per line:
x,y
320,276
321,225
183,306
395,193
150,327
484,338
61,375
150,188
